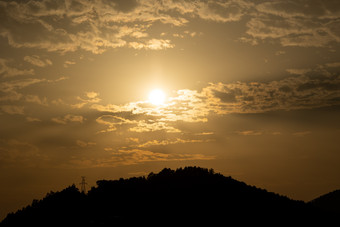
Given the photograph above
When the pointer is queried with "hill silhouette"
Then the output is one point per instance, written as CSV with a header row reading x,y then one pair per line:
x,y
190,195
329,202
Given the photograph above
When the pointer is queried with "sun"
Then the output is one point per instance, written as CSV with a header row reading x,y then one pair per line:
x,y
157,97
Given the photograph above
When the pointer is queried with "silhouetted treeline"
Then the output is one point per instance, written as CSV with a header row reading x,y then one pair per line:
x,y
189,195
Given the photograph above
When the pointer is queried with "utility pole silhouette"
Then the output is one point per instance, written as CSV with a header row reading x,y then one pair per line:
x,y
83,185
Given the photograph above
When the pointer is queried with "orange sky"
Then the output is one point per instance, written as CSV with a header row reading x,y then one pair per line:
x,y
252,90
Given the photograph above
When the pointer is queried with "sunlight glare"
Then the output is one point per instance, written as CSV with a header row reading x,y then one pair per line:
x,y
157,97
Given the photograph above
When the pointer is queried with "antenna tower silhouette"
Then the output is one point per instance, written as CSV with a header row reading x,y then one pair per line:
x,y
83,185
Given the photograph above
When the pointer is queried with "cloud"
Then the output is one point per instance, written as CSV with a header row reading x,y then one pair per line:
x,y
311,89
10,95
111,122
11,109
169,142
32,119
153,44
98,25
93,26
68,118
90,97
333,64
122,5
305,89
37,61
296,23
9,71
92,94
68,63
250,133
10,90
141,116
84,144
301,134
135,156
298,71
144,126
15,152
10,86
36,99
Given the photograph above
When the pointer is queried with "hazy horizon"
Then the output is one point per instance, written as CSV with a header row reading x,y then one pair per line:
x,y
248,88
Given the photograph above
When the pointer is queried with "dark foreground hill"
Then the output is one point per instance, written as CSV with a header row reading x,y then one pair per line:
x,y
329,202
189,195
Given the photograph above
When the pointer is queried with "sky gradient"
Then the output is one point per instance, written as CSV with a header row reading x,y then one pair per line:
x,y
252,90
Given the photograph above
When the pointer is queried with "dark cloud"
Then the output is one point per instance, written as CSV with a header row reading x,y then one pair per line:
x,y
285,88
122,5
315,89
296,23
225,96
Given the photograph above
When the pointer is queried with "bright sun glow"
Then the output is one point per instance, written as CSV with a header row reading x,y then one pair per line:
x,y
157,97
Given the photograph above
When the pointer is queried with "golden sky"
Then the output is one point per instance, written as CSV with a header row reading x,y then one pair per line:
x,y
249,88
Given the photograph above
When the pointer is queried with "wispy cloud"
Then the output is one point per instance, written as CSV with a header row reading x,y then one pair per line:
x,y
250,133
68,118
151,143
68,63
6,70
295,23
12,109
36,99
301,134
84,144
135,156
37,61
89,98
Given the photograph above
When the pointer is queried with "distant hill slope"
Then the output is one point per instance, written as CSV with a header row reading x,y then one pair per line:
x,y
328,202
189,195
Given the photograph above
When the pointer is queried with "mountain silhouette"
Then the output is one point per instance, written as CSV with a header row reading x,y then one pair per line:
x,y
185,196
329,202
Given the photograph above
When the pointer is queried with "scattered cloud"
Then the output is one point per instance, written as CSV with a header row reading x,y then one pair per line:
x,y
152,44
37,61
295,23
298,71
6,70
135,156
144,126
250,133
90,97
32,119
68,118
84,144
11,109
169,142
280,52
313,89
36,99
333,64
10,86
276,133
68,63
